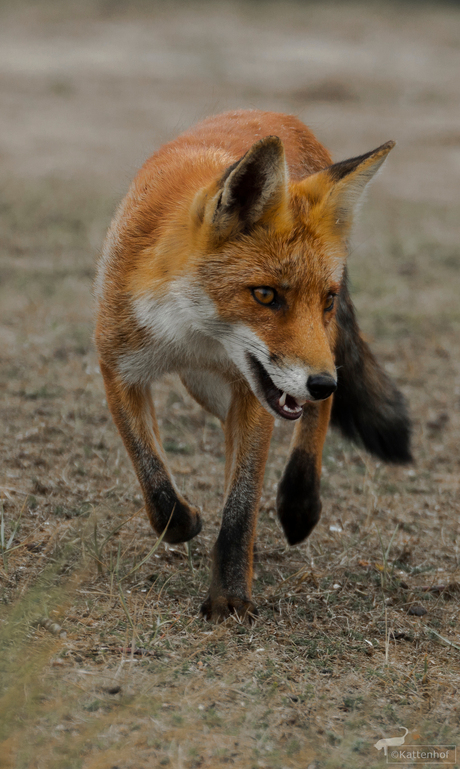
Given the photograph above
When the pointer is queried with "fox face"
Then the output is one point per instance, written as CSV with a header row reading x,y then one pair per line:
x,y
276,317
271,256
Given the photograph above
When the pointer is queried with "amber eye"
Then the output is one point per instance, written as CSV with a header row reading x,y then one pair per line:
x,y
330,302
264,295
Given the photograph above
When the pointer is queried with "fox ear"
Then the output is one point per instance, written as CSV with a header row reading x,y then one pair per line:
x,y
251,187
338,189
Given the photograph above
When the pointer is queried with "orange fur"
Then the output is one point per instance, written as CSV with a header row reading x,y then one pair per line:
x,y
242,201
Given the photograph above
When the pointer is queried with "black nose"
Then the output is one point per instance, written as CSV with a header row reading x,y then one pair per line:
x,y
321,386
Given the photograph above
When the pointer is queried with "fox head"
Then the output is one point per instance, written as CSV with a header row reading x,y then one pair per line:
x,y
270,253
259,261
272,259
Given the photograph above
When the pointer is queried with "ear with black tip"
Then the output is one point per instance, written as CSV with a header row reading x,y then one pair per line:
x,y
361,168
338,189
351,177
251,187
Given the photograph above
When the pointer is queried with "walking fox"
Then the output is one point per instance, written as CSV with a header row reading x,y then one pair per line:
x,y
226,263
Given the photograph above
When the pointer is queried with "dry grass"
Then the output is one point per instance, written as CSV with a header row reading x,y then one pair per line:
x,y
104,661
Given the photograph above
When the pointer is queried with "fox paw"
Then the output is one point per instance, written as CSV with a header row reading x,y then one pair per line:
x,y
219,608
297,517
298,502
184,524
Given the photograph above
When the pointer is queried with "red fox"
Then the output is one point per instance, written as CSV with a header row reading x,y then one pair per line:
x,y
226,263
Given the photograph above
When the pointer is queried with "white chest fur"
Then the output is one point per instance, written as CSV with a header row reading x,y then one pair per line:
x,y
182,331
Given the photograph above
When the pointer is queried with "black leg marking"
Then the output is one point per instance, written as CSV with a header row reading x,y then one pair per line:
x,y
162,501
298,500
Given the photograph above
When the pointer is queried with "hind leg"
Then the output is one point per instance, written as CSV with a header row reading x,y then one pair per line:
x,y
298,500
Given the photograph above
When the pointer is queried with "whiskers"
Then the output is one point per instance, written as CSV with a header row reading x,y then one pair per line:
x,y
248,345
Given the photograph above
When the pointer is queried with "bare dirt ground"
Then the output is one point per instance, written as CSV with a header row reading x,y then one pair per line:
x,y
104,662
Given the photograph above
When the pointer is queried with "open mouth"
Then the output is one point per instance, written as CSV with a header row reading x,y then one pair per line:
x,y
285,405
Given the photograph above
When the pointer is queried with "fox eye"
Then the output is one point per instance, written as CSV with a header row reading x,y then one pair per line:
x,y
330,302
264,295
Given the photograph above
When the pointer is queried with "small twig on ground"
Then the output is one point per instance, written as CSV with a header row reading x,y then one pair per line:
x,y
444,640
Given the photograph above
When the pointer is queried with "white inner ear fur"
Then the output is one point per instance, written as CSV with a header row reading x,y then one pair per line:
x,y
265,159
275,183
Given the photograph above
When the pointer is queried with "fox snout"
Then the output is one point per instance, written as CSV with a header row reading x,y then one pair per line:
x,y
321,386
286,389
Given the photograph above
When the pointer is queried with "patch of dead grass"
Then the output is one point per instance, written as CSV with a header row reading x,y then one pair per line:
x,y
333,663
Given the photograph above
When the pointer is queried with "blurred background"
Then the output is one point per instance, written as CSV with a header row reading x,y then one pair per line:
x,y
88,91
91,88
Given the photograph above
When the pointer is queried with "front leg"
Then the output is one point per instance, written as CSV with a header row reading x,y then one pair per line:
x,y
248,429
298,500
134,414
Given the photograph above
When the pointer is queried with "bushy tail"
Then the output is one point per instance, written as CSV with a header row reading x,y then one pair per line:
x,y
367,405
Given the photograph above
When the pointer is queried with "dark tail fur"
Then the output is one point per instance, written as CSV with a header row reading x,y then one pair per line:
x,y
367,405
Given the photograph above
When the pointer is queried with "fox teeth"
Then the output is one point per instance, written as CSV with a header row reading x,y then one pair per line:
x,y
282,402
